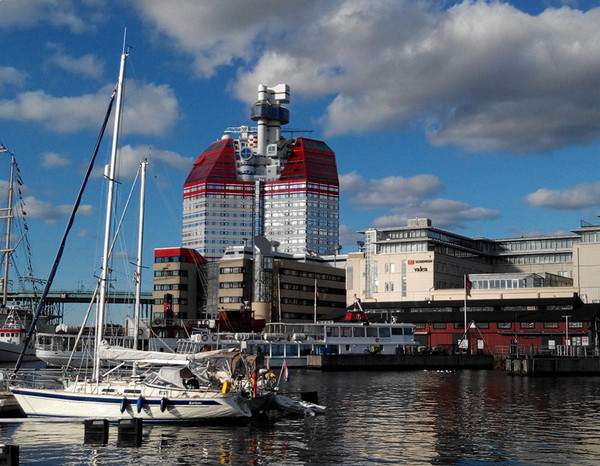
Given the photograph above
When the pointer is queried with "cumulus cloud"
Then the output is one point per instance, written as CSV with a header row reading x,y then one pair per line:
x,y
54,160
57,13
151,109
50,214
130,157
577,197
484,76
348,235
389,191
444,213
10,75
88,65
407,198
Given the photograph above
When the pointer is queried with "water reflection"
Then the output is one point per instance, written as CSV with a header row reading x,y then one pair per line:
x,y
468,417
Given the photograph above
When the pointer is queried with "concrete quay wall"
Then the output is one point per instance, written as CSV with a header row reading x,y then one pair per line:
x,y
399,361
553,366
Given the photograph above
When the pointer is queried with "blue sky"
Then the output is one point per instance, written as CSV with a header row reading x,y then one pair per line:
x,y
483,116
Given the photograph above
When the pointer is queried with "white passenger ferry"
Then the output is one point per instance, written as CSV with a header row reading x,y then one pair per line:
x,y
293,343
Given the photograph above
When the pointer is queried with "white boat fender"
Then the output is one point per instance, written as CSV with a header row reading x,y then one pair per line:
x,y
163,404
124,404
140,403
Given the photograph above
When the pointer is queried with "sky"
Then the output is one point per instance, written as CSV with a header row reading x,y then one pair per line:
x,y
483,116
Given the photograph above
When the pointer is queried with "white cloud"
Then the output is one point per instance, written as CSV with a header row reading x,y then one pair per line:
x,y
10,75
130,157
407,198
389,191
348,235
38,209
577,197
85,66
57,13
53,160
150,109
480,75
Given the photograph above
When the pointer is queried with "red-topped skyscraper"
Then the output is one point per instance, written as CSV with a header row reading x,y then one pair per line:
x,y
255,182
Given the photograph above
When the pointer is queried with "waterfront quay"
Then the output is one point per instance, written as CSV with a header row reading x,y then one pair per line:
x,y
564,361
329,362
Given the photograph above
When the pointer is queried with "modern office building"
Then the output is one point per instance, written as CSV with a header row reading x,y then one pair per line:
x,y
281,287
529,295
419,262
256,182
180,284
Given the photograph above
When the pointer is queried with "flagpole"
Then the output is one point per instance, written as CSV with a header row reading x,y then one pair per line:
x,y
465,312
315,319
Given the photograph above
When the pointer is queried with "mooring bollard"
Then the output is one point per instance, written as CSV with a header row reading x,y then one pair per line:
x,y
130,432
9,455
95,431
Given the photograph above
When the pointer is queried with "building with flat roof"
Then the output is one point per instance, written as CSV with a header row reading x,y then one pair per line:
x,y
420,262
256,182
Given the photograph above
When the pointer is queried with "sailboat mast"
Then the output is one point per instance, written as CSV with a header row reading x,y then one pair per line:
x,y
138,270
101,314
9,215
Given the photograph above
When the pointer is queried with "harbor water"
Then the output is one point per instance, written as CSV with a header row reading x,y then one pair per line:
x,y
384,417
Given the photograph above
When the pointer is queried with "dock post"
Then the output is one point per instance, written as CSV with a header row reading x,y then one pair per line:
x,y
9,455
130,432
95,431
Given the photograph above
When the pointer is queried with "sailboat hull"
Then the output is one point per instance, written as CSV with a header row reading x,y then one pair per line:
x,y
65,404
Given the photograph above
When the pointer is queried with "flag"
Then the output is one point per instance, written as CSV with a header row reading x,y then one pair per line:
x,y
136,273
468,285
316,292
286,373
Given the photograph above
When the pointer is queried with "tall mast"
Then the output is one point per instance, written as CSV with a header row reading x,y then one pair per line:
x,y
110,174
138,270
8,215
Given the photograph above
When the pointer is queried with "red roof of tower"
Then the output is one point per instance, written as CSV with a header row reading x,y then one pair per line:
x,y
311,160
217,162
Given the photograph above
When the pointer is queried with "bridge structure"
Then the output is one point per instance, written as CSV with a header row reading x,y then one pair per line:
x,y
56,300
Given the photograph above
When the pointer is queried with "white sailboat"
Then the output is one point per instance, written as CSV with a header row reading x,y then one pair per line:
x,y
179,392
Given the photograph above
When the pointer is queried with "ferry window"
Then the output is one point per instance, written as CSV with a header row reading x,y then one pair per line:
x,y
384,332
291,350
527,324
359,332
575,324
550,324
409,331
346,331
397,331
333,331
483,324
372,332
439,325
504,325
277,350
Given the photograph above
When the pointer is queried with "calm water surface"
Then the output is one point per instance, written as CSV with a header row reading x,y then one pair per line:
x,y
466,417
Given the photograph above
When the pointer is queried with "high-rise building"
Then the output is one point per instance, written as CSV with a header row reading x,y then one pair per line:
x,y
255,182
